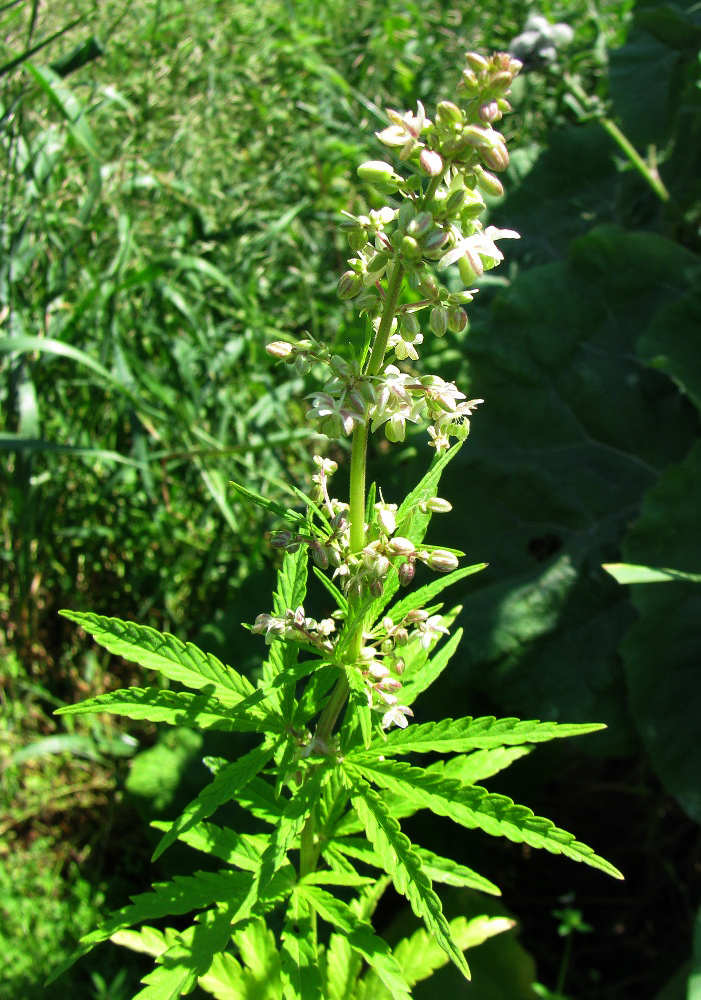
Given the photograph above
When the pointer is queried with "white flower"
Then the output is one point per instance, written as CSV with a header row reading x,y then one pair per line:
x,y
396,716
404,130
429,630
480,249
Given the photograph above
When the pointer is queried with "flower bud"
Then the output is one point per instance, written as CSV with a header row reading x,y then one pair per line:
x,y
320,557
448,113
438,506
438,320
496,156
428,286
279,349
489,112
431,162
399,666
410,248
476,62
409,324
349,285
420,225
457,320
406,573
501,81
489,183
357,238
467,272
399,546
443,561
377,172
417,615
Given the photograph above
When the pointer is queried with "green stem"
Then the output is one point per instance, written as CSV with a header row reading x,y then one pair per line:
x,y
379,348
564,964
649,173
332,710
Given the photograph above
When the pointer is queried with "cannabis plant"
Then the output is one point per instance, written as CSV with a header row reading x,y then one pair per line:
x,y
335,736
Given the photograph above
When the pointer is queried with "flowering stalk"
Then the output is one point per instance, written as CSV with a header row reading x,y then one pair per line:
x,y
430,222
325,784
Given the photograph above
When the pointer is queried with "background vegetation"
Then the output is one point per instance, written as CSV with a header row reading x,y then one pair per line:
x,y
169,195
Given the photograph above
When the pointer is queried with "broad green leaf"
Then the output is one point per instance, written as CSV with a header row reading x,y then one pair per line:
x,y
626,573
227,785
343,966
671,340
358,713
360,936
300,970
662,650
400,860
341,602
178,708
549,490
179,661
472,806
460,735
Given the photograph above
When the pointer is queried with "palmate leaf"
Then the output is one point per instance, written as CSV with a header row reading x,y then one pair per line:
x,y
178,708
419,680
478,765
342,963
400,860
284,837
225,978
189,957
282,656
460,735
360,936
225,786
301,977
259,953
437,868
240,849
472,806
424,595
179,661
420,956
466,768
183,894
412,521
